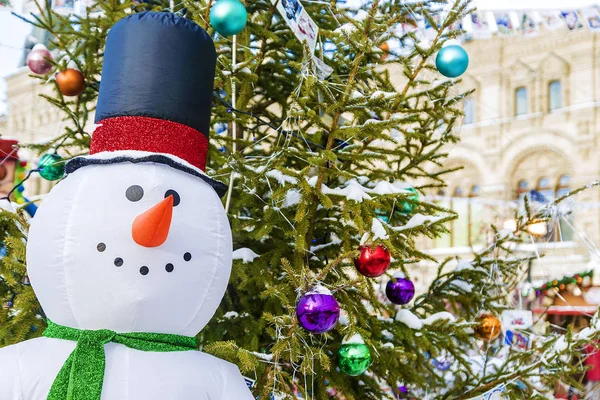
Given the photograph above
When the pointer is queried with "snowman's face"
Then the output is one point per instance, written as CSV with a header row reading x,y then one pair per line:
x,y
131,248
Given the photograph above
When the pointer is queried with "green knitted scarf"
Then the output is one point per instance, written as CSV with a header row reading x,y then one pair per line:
x,y
82,375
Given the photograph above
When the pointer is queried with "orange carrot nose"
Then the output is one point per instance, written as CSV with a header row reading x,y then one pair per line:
x,y
151,228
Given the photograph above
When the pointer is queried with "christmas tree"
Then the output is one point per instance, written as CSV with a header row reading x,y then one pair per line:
x,y
326,152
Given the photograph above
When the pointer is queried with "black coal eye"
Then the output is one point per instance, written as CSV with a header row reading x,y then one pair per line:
x,y
176,198
134,193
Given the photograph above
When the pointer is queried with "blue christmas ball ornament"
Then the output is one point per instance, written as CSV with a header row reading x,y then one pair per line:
x,y
452,61
228,17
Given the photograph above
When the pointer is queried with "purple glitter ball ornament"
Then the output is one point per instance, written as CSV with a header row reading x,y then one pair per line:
x,y
400,290
318,311
39,59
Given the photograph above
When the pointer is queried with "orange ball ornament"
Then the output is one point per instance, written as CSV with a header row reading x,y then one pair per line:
x,y
385,47
70,82
488,327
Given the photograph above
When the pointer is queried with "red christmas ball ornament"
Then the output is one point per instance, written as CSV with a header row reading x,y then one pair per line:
x,y
372,262
70,82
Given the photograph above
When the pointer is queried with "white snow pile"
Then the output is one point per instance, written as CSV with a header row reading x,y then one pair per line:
x,y
381,94
413,322
464,265
281,178
355,190
561,344
385,187
377,232
464,286
347,28
356,338
356,95
263,356
231,314
245,254
292,197
334,241
419,220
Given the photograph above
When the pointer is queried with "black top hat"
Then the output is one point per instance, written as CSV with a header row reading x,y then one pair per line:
x,y
155,95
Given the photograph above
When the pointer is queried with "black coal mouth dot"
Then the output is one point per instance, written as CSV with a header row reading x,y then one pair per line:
x,y
169,267
144,270
101,247
187,256
118,261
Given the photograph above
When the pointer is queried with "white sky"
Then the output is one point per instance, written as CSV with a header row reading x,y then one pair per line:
x,y
12,38
13,31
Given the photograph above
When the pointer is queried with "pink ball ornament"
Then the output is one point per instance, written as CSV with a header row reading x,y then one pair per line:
x,y
39,60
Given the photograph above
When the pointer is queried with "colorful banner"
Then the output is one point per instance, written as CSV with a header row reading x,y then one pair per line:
x,y
592,16
552,20
505,24
571,19
528,25
63,7
497,393
299,21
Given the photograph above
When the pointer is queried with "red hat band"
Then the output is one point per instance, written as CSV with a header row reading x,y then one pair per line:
x,y
152,135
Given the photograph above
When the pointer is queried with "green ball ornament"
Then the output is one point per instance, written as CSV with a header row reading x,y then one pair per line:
x,y
228,17
355,358
452,61
407,207
382,216
52,167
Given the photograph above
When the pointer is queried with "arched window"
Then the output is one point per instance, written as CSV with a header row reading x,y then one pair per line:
x,y
458,192
475,190
554,95
522,189
545,188
521,107
564,186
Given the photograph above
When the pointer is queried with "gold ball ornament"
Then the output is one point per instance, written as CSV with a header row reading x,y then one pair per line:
x,y
488,328
70,82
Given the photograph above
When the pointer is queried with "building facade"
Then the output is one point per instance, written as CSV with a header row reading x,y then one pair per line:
x,y
532,123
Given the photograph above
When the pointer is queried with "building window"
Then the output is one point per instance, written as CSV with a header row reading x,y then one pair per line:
x,y
469,105
555,95
544,187
475,190
564,186
458,192
521,101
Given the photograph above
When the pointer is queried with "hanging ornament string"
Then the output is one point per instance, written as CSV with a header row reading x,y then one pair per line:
x,y
31,171
262,122
233,122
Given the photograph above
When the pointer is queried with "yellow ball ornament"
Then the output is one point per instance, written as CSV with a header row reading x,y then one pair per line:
x,y
488,328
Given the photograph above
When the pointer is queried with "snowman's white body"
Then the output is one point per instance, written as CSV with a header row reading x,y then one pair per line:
x,y
81,230
29,368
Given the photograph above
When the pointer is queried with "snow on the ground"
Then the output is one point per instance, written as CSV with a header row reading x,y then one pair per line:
x,y
244,254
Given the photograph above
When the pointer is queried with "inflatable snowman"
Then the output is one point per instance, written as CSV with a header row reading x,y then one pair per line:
x,y
131,253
